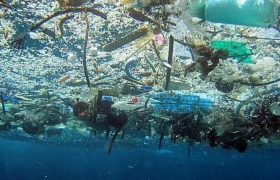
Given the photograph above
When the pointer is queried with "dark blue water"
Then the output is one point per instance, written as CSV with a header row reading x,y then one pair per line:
x,y
26,161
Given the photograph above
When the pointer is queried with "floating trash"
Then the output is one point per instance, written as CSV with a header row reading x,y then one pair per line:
x,y
175,101
237,50
72,57
275,108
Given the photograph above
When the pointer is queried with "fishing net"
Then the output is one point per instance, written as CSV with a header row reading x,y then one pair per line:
x,y
237,50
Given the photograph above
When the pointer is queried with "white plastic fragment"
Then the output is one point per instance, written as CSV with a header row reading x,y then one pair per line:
x,y
72,57
167,65
33,35
93,51
275,108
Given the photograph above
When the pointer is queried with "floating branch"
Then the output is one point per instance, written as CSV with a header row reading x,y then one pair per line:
x,y
118,122
19,41
126,39
113,140
85,51
3,103
6,5
138,15
68,10
61,22
170,56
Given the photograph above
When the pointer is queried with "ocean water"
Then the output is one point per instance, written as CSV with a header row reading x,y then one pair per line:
x,y
24,160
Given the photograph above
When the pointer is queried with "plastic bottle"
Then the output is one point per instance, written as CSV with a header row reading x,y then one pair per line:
x,y
107,98
146,88
257,13
180,102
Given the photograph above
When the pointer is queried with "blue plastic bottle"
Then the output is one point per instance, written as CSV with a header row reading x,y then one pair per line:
x,y
107,98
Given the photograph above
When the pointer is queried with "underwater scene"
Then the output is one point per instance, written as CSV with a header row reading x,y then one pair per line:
x,y
139,89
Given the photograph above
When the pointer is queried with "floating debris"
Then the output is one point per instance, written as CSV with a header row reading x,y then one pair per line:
x,y
126,39
275,108
6,5
64,78
62,22
169,63
3,104
49,32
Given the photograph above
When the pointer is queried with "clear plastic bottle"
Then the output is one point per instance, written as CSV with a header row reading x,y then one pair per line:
x,y
257,13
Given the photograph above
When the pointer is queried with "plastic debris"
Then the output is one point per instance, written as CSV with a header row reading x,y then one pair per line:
x,y
180,102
